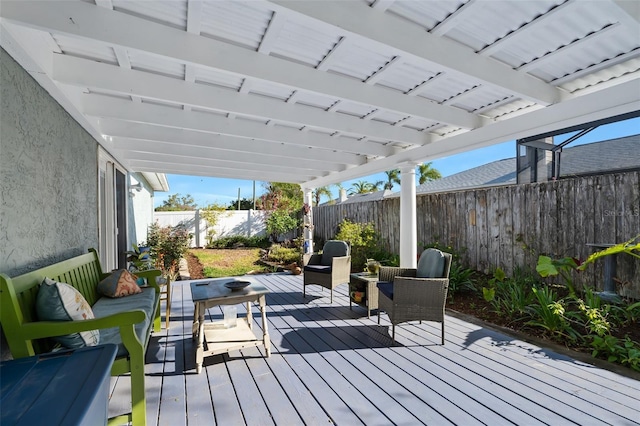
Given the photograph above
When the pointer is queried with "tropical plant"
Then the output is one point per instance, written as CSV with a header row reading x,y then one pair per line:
x,y
361,187
548,314
393,177
428,173
139,258
564,266
318,193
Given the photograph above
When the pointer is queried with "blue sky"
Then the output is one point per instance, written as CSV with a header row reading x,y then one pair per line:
x,y
206,190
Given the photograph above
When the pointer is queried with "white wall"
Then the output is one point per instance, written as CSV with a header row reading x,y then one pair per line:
x,y
247,223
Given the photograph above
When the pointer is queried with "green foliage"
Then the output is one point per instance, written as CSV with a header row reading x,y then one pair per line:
x,y
513,295
393,177
460,279
548,314
176,202
428,173
233,241
139,258
564,266
245,204
318,193
362,238
282,196
361,187
610,348
285,255
212,215
279,222
167,246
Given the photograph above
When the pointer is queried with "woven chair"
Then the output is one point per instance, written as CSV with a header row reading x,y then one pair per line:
x,y
329,269
415,294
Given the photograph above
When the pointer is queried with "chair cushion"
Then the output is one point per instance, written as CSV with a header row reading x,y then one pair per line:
x,y
105,306
322,269
61,302
386,288
431,264
333,248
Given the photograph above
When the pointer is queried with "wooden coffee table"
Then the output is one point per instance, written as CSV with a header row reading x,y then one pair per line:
x,y
213,335
364,282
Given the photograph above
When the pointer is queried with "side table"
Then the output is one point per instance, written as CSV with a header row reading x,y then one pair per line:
x,y
364,282
214,335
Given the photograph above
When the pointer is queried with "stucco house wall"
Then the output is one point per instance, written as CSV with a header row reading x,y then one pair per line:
x,y
48,177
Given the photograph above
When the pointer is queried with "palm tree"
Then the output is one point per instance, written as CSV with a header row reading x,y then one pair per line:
x,y
393,176
428,173
373,187
360,187
319,192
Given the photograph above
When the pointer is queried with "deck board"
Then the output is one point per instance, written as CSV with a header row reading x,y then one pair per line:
x,y
332,365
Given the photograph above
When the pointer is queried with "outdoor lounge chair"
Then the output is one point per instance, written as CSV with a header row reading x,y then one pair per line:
x,y
329,269
415,294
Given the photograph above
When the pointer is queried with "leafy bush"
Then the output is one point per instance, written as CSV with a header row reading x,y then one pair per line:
x,y
548,314
610,348
363,240
167,246
460,279
279,222
284,255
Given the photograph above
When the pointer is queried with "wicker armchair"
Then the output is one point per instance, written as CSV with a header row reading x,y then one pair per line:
x,y
405,297
329,269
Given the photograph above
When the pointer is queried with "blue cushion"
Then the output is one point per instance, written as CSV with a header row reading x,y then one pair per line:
x,y
106,306
386,288
318,268
431,264
331,249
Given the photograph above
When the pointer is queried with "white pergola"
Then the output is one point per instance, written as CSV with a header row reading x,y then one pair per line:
x,y
321,92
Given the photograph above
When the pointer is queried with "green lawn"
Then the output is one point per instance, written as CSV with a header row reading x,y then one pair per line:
x,y
218,263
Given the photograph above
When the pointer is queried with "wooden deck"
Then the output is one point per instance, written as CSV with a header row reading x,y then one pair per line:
x,y
332,365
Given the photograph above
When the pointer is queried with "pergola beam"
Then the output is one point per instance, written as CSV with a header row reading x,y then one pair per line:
x,y
617,100
85,73
416,42
114,28
318,159
119,109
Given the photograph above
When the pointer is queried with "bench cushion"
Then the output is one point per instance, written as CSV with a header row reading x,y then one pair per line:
x,y
60,302
142,301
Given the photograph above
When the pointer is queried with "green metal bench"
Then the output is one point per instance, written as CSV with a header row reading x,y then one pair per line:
x,y
27,336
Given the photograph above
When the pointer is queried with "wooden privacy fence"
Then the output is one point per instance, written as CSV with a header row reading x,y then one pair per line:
x,y
511,226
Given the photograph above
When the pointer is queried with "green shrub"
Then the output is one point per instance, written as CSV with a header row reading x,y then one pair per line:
x,y
239,240
283,255
280,221
167,246
363,240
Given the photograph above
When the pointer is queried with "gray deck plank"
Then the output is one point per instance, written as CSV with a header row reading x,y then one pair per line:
x,y
332,365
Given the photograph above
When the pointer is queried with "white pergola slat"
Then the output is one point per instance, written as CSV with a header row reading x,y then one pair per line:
x,y
274,84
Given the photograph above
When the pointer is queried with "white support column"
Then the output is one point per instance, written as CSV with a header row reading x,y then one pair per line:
x,y
308,222
408,222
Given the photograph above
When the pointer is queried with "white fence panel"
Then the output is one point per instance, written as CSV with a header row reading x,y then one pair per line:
x,y
247,223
